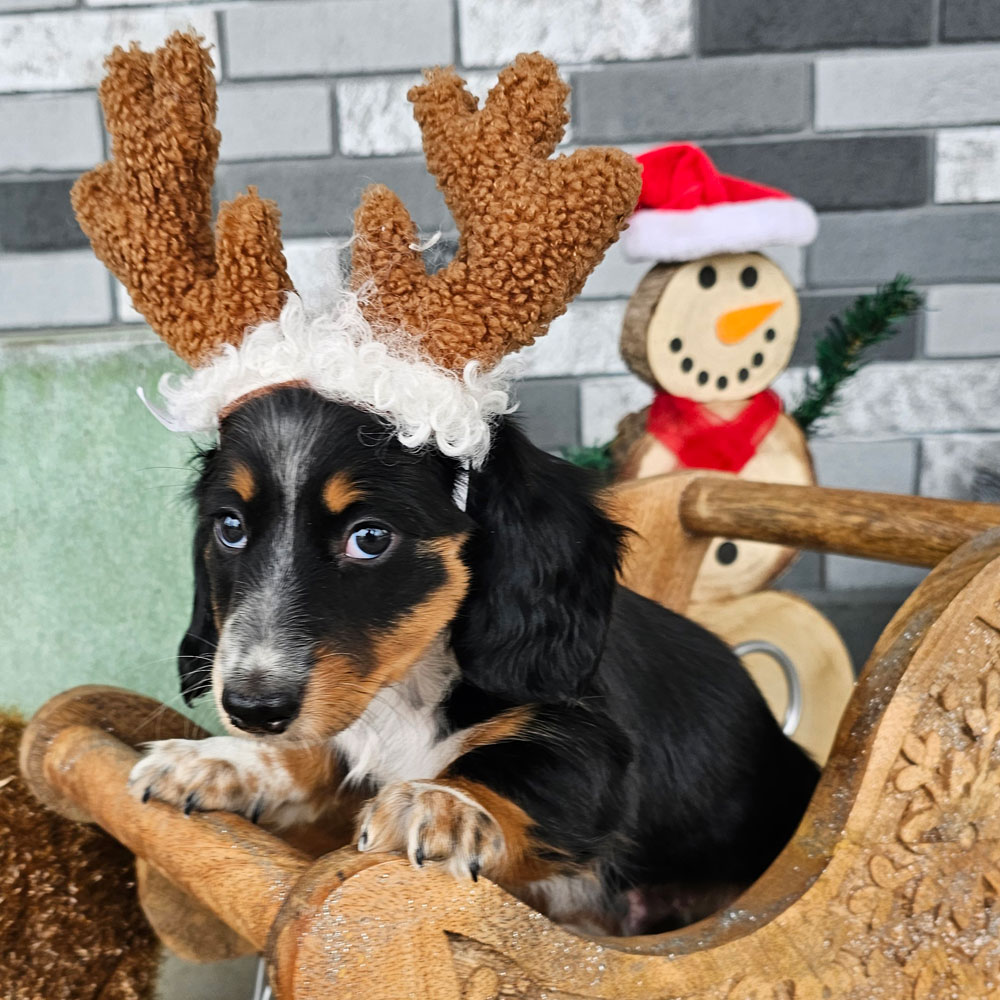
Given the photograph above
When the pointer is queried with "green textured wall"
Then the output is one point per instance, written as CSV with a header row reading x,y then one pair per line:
x,y
95,529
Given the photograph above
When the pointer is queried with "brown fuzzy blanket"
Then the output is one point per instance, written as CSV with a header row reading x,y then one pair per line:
x,y
70,923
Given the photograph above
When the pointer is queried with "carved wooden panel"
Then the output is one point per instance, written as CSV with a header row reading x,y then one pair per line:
x,y
922,916
487,974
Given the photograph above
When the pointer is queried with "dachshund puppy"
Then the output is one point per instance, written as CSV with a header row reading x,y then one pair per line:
x,y
473,683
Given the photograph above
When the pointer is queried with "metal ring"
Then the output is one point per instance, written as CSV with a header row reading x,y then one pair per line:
x,y
793,713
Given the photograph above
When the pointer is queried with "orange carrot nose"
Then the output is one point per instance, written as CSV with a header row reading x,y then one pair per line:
x,y
733,326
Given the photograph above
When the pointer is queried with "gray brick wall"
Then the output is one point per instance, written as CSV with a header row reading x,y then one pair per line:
x,y
886,115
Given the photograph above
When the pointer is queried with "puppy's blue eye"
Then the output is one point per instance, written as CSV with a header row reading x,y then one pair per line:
x,y
367,541
230,531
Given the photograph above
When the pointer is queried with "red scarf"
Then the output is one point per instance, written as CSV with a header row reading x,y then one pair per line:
x,y
702,439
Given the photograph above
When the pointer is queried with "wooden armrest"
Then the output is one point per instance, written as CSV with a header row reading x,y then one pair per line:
x,y
234,869
673,517
917,531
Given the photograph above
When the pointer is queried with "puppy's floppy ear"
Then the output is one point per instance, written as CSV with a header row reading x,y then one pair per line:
x,y
197,648
543,563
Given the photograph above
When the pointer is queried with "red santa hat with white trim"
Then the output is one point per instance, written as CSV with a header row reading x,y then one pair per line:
x,y
688,209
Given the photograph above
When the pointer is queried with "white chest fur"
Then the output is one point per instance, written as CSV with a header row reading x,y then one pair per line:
x,y
397,737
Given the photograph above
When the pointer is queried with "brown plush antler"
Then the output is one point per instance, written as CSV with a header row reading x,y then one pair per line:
x,y
148,211
531,229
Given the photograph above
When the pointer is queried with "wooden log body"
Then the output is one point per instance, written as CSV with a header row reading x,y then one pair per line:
x,y
732,567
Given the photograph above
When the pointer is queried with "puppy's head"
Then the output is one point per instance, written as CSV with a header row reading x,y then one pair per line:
x,y
328,558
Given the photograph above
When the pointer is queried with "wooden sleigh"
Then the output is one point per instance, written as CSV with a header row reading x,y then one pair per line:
x,y
889,889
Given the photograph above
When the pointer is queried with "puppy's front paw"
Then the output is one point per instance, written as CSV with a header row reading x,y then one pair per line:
x,y
199,774
433,822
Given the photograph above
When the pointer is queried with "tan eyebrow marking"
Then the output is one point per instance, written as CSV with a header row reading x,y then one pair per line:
x,y
339,492
241,479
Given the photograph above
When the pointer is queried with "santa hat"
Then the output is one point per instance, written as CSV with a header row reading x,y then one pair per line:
x,y
687,210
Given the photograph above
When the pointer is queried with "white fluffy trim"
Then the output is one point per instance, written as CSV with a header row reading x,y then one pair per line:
x,y
730,227
337,354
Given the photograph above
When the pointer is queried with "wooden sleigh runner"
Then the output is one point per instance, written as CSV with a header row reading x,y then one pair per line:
x,y
890,887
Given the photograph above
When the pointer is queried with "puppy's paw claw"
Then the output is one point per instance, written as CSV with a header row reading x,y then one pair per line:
x,y
433,822
180,773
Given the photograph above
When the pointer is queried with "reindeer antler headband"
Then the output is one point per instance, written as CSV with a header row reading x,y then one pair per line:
x,y
425,352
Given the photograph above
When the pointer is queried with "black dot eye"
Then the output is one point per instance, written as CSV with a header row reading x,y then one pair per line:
x,y
770,334
706,276
367,541
758,360
702,378
686,365
748,277
676,344
726,553
229,530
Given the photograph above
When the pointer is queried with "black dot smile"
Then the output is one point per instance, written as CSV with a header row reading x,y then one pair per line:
x,y
722,381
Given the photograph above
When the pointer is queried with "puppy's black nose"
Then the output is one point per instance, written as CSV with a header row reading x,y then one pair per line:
x,y
257,714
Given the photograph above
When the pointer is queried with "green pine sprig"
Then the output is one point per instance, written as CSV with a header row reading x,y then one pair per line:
x,y
596,457
840,352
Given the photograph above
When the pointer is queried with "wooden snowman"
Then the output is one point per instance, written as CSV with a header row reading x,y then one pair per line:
x,y
710,327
